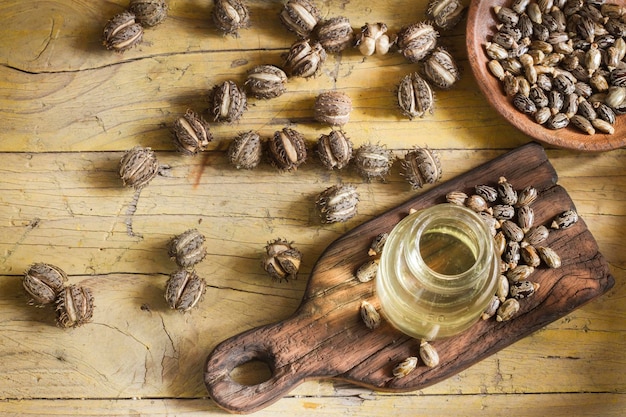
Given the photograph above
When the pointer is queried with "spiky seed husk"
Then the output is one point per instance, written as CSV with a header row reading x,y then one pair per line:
x,y
335,149
43,282
227,102
287,149
373,161
281,260
300,17
230,15
138,166
184,289
122,32
421,166
149,12
192,133
74,306
246,150
333,108
338,203
266,81
187,249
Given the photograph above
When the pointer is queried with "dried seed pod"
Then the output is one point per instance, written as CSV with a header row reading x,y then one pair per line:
x,y
333,107
300,17
335,149
148,12
456,197
445,13
565,220
191,133
549,257
405,367
305,59
536,235
506,192
582,124
370,315
367,271
187,249
337,203
489,193
507,310
227,102
417,41
519,273
266,81
503,287
525,218
246,150
491,309
138,166
184,289
527,196
373,161
74,306
230,15
43,282
122,32
376,247
523,289
512,254
415,97
530,256
428,354
421,166
335,34
441,69
282,260
287,149
512,231
503,211
374,39
476,203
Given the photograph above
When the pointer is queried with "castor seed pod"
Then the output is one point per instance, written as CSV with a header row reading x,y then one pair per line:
x,y
138,166
523,289
445,13
535,235
374,39
428,354
527,196
266,81
456,197
246,150
524,104
149,12
415,96
334,149
300,17
369,315
491,309
191,133
376,247
335,34
184,289
507,310
421,166
549,257
525,218
530,256
43,282
502,288
373,161
337,203
604,112
489,193
230,15
506,192
503,211
227,102
519,273
441,69
287,149
565,220
305,59
187,249
417,41
512,231
74,306
367,271
333,108
405,367
122,32
281,260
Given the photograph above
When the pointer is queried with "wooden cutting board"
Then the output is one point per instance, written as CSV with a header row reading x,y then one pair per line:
x,y
326,338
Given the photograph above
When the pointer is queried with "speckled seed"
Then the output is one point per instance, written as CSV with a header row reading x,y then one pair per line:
x,y
506,192
524,104
367,271
582,124
489,193
376,247
500,243
476,203
491,222
542,115
520,273
503,211
523,289
549,257
507,310
512,254
512,231
370,315
565,220
428,354
530,256
558,121
525,218
527,196
405,367
491,309
603,126
502,289
536,235
456,197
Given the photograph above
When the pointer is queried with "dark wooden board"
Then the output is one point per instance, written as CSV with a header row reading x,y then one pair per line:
x,y
326,338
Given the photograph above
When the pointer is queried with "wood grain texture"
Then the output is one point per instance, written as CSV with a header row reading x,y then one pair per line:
x,y
69,108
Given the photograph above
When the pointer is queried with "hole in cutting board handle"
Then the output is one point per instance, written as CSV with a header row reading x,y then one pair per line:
x,y
253,372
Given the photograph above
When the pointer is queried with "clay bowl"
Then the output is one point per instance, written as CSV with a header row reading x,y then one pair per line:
x,y
481,22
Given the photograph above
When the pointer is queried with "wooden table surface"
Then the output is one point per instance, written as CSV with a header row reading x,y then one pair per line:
x,y
69,109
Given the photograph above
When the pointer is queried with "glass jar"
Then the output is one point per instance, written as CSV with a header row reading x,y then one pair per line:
x,y
438,272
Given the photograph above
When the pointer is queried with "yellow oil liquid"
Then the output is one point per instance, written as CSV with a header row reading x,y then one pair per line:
x,y
445,253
